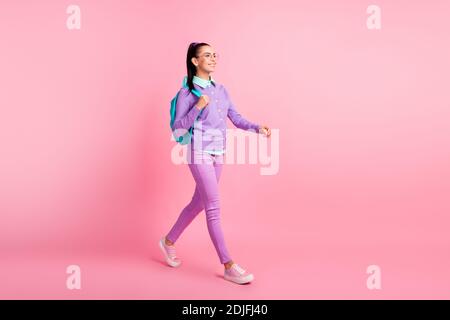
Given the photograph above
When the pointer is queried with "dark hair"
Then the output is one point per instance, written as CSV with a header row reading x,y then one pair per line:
x,y
191,69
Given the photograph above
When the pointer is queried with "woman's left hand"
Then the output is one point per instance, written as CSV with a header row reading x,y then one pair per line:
x,y
265,130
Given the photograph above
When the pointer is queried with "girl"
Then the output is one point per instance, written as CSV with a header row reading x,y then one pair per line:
x,y
206,152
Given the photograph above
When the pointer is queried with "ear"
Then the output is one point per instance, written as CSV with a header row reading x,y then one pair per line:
x,y
194,60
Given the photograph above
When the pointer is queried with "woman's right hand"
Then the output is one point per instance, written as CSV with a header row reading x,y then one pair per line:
x,y
202,102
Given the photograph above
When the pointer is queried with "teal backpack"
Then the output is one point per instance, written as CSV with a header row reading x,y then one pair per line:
x,y
185,138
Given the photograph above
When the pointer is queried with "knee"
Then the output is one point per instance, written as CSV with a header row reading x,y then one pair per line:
x,y
193,208
212,209
196,204
197,207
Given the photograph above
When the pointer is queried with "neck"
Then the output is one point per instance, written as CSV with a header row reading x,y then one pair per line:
x,y
202,74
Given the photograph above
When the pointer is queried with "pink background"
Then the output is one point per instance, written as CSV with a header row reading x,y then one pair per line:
x,y
86,175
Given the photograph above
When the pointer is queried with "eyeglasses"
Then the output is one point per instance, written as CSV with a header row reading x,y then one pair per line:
x,y
209,56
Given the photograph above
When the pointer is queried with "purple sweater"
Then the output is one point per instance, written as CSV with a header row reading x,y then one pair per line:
x,y
211,125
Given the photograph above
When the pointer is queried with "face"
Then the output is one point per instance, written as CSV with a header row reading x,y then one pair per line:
x,y
206,59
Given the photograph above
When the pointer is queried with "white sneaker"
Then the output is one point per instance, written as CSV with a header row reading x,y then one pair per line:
x,y
169,253
237,274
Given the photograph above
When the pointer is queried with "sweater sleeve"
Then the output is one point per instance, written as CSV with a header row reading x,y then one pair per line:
x,y
238,120
186,112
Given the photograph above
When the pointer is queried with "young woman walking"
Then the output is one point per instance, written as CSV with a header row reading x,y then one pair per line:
x,y
206,150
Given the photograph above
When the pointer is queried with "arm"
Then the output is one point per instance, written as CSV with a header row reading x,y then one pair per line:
x,y
185,114
238,120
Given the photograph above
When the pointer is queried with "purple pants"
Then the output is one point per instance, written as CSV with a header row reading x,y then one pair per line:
x,y
206,170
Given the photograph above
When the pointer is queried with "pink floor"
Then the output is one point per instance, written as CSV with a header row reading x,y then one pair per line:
x,y
321,271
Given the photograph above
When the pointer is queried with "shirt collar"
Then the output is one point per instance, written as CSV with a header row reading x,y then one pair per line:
x,y
202,82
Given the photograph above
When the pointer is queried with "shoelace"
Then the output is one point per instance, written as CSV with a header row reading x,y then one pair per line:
x,y
171,251
238,268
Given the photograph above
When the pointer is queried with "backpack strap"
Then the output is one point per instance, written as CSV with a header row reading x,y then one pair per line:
x,y
194,91
173,111
198,94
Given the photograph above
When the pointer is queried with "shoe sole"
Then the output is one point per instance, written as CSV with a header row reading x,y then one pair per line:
x,y
168,261
247,279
